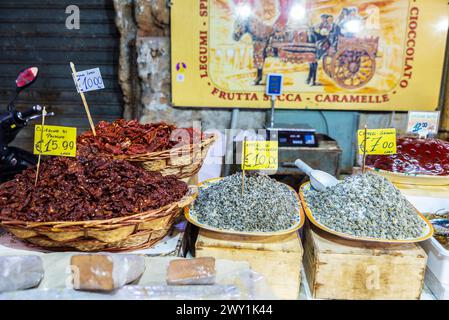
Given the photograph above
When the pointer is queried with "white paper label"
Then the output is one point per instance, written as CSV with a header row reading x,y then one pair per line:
x,y
423,123
88,80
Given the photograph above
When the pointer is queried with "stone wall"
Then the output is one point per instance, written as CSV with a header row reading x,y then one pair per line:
x,y
144,26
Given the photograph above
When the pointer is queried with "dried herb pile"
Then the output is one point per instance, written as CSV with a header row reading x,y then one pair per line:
x,y
266,205
366,205
83,188
123,137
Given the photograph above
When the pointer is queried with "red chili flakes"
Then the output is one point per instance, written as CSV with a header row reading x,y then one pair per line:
x,y
77,189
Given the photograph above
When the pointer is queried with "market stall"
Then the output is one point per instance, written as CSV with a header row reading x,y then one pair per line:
x,y
343,207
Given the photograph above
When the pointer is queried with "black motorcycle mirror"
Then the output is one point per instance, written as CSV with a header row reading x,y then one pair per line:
x,y
25,78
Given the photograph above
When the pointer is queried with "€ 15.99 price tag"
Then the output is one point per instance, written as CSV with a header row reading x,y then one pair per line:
x,y
260,155
55,141
378,141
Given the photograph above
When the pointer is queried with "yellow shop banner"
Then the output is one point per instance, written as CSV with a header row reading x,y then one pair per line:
x,y
340,55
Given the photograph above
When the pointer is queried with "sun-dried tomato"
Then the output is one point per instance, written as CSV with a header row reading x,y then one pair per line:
x,y
131,137
86,188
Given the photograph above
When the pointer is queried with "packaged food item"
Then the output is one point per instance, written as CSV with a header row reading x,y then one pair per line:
x,y
191,271
440,222
86,188
366,205
20,272
123,137
415,156
265,206
105,272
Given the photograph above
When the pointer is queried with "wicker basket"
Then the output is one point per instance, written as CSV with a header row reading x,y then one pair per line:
x,y
133,232
183,162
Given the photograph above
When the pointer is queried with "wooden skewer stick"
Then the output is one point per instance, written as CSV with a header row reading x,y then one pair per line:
x,y
83,97
44,113
243,167
364,151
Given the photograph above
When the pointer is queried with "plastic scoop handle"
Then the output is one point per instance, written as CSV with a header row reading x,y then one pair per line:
x,y
304,167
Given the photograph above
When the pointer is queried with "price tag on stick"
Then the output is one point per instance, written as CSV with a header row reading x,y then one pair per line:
x,y
79,88
88,80
55,141
377,141
44,114
260,155
243,167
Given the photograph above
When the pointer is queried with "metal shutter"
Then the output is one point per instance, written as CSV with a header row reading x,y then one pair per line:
x,y
33,33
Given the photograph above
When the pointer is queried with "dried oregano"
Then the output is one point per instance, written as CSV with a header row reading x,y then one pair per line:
x,y
367,206
265,206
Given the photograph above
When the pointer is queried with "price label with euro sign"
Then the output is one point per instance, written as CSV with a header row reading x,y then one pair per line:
x,y
88,80
377,141
423,123
260,155
55,141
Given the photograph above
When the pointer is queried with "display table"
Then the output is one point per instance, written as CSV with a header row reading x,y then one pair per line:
x,y
342,269
277,258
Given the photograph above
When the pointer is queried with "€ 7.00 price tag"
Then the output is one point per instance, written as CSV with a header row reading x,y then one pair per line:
x,y
378,141
88,80
55,141
260,155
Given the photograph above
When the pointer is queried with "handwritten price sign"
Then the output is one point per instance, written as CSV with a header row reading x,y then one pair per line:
x,y
88,80
55,141
423,123
260,155
378,141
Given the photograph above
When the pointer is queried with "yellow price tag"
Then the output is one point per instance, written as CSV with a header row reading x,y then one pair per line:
x,y
56,141
378,141
260,155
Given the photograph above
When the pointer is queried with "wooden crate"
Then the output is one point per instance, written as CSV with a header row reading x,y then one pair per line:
x,y
278,258
339,269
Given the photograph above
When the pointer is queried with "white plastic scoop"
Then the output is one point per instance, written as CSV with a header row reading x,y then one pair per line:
x,y
320,180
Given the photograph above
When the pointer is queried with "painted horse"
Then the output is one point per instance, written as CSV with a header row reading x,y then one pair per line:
x,y
295,46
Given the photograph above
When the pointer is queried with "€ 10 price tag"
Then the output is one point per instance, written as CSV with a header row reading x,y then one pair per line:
x,y
88,80
378,141
55,141
260,155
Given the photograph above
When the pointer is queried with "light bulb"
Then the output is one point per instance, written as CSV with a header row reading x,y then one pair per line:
x,y
442,25
243,11
298,12
353,26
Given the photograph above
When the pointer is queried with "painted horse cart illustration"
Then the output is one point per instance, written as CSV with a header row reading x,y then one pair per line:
x,y
349,61
352,63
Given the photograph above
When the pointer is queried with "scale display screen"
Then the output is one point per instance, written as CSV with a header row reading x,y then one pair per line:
x,y
294,138
274,84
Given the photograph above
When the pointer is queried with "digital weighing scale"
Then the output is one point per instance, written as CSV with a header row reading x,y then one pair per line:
x,y
293,136
287,135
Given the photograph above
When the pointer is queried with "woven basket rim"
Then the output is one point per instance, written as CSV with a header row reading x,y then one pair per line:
x,y
109,223
164,153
